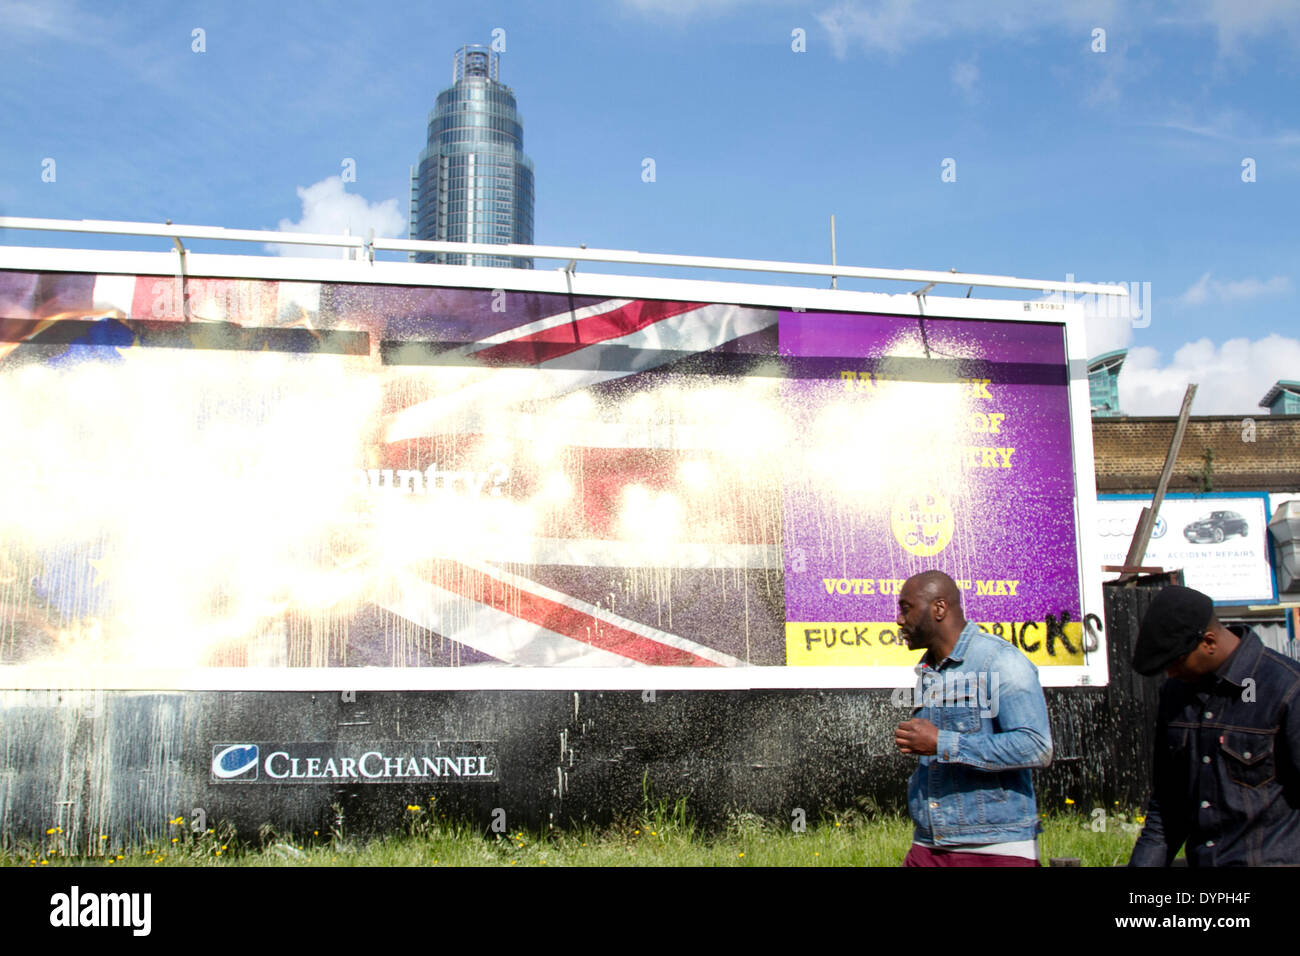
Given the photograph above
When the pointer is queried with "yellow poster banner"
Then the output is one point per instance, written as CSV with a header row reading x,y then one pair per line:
x,y
874,644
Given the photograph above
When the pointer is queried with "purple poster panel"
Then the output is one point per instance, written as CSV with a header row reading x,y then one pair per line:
x,y
927,443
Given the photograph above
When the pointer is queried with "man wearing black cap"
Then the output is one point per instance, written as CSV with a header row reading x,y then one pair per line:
x,y
1227,749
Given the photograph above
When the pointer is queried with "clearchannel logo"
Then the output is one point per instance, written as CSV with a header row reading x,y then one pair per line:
x,y
326,762
234,761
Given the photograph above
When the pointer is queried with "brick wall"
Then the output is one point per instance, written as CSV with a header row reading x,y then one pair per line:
x,y
1130,452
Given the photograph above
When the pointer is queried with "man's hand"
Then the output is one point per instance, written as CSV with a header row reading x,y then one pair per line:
x,y
917,736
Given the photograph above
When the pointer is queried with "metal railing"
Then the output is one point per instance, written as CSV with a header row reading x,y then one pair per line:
x,y
364,247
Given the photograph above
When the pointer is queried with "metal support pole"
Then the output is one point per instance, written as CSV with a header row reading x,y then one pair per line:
x,y
1142,535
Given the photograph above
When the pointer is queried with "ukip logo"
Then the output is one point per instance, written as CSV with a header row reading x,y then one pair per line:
x,y
922,522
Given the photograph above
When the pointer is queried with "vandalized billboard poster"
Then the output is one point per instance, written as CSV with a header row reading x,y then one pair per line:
x,y
281,482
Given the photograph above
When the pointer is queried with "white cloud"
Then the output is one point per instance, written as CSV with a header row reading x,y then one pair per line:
x,y
890,26
1207,290
58,19
1234,23
1232,377
1107,329
1107,73
965,74
329,208
1229,125
686,9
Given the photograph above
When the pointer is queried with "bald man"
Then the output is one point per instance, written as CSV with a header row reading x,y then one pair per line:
x,y
978,727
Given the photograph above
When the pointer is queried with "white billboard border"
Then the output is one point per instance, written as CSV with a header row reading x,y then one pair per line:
x,y
558,281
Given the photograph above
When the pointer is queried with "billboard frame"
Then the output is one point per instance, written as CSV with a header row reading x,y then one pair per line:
x,y
365,271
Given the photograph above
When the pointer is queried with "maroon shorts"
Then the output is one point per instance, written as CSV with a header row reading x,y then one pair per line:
x,y
924,856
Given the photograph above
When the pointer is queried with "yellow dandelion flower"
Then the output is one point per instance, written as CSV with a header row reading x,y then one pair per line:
x,y
739,855
103,836
45,862
1069,802
837,822
49,831
176,839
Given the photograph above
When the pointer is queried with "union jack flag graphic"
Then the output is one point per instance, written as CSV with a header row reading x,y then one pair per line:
x,y
546,480
659,549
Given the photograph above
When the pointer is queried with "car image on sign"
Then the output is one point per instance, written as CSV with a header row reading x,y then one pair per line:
x,y
1216,526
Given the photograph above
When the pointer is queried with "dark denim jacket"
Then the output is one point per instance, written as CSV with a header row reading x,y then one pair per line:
x,y
1226,751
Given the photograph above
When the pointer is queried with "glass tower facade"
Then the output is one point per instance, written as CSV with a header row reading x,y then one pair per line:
x,y
1283,398
1103,383
472,182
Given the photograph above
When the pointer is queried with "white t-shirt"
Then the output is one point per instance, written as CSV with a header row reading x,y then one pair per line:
x,y
1023,848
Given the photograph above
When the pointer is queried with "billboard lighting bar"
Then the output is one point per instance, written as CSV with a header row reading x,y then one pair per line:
x,y
366,245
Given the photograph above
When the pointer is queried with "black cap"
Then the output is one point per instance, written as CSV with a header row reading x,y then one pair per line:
x,y
1173,625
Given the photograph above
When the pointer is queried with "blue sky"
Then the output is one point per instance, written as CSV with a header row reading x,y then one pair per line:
x,y
1123,164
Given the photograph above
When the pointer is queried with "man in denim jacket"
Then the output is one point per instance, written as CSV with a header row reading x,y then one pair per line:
x,y
979,727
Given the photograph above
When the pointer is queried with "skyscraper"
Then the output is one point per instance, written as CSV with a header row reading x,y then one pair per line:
x,y
473,182
1103,383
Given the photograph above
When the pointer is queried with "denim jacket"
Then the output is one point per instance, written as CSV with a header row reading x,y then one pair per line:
x,y
1226,778
987,703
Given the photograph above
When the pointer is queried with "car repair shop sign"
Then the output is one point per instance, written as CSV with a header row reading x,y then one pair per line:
x,y
1219,541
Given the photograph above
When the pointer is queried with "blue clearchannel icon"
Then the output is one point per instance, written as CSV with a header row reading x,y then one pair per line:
x,y
235,760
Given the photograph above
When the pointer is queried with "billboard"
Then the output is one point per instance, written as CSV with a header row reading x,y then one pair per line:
x,y
277,474
1219,541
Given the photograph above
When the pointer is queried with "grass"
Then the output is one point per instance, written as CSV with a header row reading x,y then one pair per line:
x,y
661,836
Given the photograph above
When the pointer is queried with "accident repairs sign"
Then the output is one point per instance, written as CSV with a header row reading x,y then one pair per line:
x,y
289,482
335,762
1219,542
